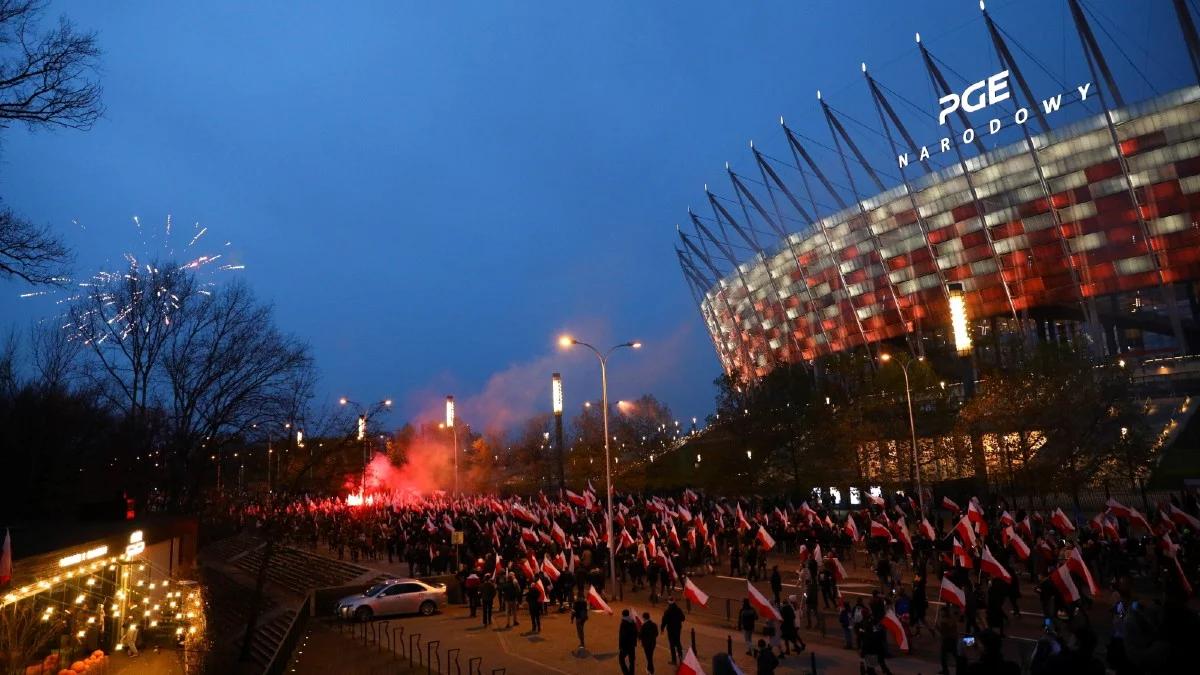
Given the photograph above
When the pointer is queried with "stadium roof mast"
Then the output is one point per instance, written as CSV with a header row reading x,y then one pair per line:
x,y
726,249
1189,35
776,225
1095,60
733,317
696,284
720,211
939,80
798,151
881,105
836,128
1086,305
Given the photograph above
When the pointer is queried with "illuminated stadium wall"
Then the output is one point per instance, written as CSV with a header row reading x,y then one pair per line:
x,y
1089,221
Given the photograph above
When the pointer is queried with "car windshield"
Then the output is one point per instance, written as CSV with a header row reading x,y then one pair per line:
x,y
374,590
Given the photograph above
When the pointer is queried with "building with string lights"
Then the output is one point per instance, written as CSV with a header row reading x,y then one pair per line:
x,y
1048,207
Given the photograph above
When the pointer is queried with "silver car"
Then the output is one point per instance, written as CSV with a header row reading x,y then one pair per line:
x,y
394,596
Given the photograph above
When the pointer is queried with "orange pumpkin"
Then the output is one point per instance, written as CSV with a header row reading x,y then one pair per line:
x,y
64,671
78,666
35,669
98,653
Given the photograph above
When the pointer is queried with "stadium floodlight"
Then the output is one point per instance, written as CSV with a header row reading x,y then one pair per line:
x,y
958,319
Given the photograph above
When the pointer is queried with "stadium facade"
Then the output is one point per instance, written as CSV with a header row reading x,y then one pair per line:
x,y
1089,226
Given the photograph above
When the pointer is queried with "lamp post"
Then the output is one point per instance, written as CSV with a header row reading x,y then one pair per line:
x,y
565,342
454,433
363,416
912,424
556,401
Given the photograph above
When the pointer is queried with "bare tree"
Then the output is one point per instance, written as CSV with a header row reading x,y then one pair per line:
x,y
54,355
24,632
31,252
46,78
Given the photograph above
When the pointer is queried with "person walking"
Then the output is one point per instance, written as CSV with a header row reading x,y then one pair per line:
x,y
627,640
129,640
746,618
789,631
512,600
534,598
776,584
947,628
579,617
672,622
487,597
648,636
846,619
765,662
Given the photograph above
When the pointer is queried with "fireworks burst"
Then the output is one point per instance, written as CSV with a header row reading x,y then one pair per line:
x,y
151,285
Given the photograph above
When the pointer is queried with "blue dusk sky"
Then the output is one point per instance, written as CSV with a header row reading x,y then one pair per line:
x,y
429,193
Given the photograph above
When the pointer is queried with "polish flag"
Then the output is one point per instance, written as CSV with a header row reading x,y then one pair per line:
x,y
541,589
1097,523
596,602
878,529
684,514
499,566
952,594
965,531
527,569
550,570
1025,527
896,629
1060,520
974,512
528,535
6,559
577,500
806,510
559,535
875,499
690,665
764,539
692,592
523,513
761,604
927,529
904,536
1135,516
839,572
742,523
1078,566
1177,516
1061,578
949,505
961,555
626,539
1018,544
851,528
691,538
1118,509
805,554
993,566
1110,529
1006,519
673,536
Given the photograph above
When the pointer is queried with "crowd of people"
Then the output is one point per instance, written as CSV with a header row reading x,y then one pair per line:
x,y
549,552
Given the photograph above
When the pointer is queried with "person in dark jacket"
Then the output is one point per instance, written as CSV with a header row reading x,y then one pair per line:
x,y
579,616
487,596
672,622
648,635
766,662
627,640
534,598
746,618
776,583
788,630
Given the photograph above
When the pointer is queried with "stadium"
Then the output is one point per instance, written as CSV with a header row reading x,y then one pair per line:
x,y
1043,207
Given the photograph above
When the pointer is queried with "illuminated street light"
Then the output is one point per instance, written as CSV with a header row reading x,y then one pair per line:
x,y
958,319
454,432
556,405
567,341
912,425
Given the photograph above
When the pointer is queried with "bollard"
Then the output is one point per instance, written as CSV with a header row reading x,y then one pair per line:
x,y
452,658
727,615
694,643
383,626
729,645
813,657
431,650
414,653
475,665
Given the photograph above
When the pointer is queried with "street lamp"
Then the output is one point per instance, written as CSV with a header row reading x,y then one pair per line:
x,y
363,416
912,424
454,432
566,341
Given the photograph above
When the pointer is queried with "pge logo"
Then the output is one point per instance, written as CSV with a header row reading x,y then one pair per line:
x,y
977,96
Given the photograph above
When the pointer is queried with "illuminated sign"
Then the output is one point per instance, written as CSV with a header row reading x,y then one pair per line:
x,y
977,96
77,558
137,544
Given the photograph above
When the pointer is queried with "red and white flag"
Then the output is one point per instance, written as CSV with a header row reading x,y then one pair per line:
x,y
949,505
962,556
761,605
527,569
851,528
1061,578
875,499
626,539
993,567
974,512
764,539
878,529
1117,508
927,530
1179,517
690,665
742,523
596,602
550,570
965,531
577,500
1078,566
839,572
951,593
896,629
903,535
559,535
1006,519
541,589
692,592
1018,544
1135,516
6,559
1060,520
